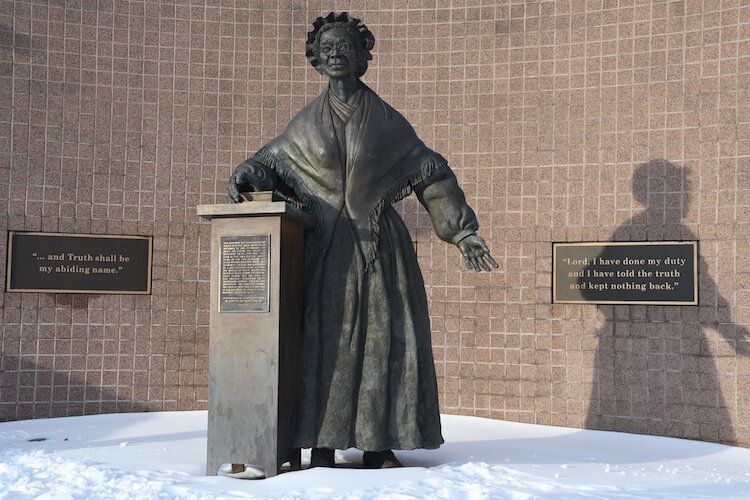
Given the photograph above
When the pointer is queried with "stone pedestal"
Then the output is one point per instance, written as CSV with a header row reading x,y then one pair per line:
x,y
256,310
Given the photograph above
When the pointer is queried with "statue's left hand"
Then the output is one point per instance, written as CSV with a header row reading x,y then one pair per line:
x,y
476,253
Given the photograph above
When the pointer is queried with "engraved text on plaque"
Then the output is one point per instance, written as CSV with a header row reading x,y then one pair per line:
x,y
625,272
245,273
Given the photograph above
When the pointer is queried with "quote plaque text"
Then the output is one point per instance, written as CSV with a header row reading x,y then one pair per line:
x,y
637,272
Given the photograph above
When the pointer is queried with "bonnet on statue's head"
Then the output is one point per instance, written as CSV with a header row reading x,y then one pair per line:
x,y
363,38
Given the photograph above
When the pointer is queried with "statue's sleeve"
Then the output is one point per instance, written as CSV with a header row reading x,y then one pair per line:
x,y
452,218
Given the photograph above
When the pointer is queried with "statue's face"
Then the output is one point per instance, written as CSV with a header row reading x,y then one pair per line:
x,y
338,54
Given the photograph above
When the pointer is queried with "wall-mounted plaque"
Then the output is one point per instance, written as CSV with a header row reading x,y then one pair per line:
x,y
245,273
644,272
78,263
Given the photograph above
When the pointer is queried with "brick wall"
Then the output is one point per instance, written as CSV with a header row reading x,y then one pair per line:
x,y
119,117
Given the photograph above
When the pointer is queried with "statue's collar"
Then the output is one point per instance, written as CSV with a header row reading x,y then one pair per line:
x,y
345,110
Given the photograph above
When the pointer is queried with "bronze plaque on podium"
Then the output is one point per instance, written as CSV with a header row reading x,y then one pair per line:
x,y
245,279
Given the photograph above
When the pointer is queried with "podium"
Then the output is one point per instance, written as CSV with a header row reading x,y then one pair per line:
x,y
256,317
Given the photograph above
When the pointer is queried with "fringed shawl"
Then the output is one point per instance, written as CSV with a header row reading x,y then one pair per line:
x,y
384,159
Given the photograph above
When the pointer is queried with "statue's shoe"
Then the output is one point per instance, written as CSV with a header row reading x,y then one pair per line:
x,y
380,460
322,457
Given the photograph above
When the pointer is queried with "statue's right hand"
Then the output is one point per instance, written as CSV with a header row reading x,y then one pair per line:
x,y
249,177
240,182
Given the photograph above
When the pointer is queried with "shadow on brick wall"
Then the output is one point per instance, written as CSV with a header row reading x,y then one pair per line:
x,y
14,43
30,390
657,367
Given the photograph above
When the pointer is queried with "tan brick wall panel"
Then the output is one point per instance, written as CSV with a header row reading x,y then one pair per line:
x,y
120,117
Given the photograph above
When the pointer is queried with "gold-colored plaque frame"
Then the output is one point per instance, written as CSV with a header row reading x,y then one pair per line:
x,y
692,243
149,264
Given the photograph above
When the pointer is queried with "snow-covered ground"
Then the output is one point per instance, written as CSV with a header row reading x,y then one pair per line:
x,y
162,455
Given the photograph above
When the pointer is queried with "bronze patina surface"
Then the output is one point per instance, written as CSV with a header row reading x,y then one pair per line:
x,y
367,376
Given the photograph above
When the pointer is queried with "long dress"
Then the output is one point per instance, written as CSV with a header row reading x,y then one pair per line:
x,y
367,376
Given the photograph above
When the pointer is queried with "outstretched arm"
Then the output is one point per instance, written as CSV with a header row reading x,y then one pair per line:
x,y
732,331
454,221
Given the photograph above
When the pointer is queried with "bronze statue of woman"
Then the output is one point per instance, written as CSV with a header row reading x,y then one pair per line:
x,y
367,377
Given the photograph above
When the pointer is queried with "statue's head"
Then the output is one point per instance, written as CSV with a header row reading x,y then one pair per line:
x,y
347,37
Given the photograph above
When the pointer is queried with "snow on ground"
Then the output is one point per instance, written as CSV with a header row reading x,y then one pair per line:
x,y
163,455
